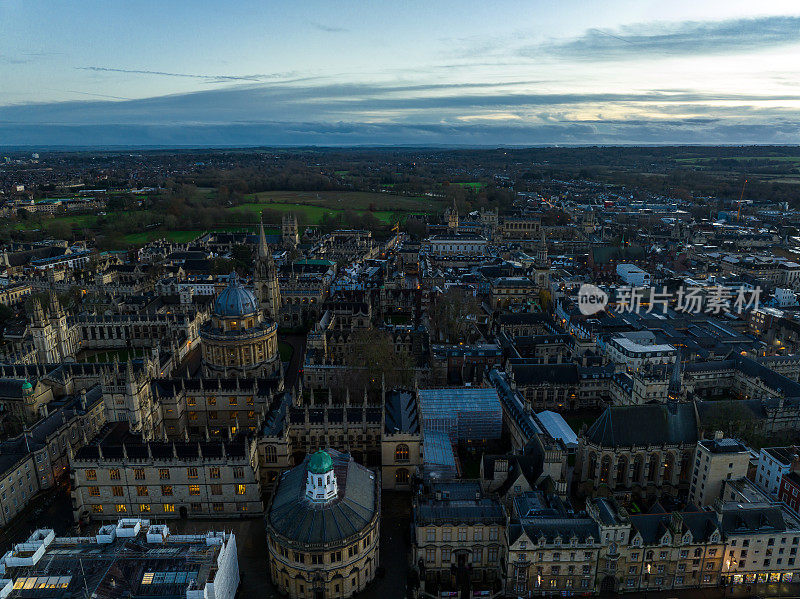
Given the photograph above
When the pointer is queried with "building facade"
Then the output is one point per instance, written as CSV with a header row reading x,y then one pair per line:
x,y
323,527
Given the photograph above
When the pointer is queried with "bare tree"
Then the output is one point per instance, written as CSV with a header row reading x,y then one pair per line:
x,y
372,359
453,316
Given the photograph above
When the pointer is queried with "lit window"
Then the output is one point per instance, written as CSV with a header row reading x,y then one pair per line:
x,y
240,489
194,489
121,508
169,508
144,507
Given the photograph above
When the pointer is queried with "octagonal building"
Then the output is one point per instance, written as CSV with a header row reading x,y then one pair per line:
x,y
323,527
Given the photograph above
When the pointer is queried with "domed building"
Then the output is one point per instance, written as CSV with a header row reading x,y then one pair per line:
x,y
237,341
323,527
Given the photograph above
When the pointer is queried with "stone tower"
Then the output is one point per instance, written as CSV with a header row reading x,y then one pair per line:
x,y
62,335
541,250
289,231
452,218
44,337
265,278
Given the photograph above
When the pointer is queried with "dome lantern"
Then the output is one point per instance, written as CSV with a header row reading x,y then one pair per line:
x,y
320,479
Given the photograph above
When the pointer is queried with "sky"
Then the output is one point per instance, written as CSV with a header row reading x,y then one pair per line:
x,y
433,72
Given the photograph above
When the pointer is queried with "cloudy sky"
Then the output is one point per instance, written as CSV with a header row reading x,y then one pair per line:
x,y
338,72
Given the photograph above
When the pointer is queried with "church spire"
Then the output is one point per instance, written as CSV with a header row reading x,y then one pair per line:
x,y
38,313
265,279
263,248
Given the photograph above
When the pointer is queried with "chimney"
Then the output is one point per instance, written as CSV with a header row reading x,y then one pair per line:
x,y
795,466
718,435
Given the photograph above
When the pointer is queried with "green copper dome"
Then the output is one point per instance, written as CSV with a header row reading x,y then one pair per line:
x,y
26,386
320,463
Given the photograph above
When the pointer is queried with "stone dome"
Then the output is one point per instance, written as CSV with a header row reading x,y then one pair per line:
x,y
320,462
235,300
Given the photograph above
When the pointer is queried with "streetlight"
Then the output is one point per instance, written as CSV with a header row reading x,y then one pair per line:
x,y
731,561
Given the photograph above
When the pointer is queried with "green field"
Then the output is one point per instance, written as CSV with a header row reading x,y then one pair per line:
x,y
314,205
123,355
313,214
386,207
285,350
473,185
176,236
353,200
795,159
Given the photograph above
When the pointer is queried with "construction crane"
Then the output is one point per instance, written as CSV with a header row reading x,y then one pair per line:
x,y
741,197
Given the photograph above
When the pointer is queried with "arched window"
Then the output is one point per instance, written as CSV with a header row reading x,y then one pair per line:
x,y
637,469
652,468
622,470
685,467
592,466
669,468
605,469
401,476
401,453
270,455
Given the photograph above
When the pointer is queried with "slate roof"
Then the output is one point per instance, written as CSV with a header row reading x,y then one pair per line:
x,y
752,518
459,502
551,528
295,517
401,413
12,388
643,425
534,374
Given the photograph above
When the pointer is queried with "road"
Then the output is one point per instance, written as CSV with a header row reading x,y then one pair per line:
x,y
49,509
251,542
298,343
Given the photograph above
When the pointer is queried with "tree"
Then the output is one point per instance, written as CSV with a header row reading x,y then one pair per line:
x,y
453,316
242,256
416,227
372,360
5,313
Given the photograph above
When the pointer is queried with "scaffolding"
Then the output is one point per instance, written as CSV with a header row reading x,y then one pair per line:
x,y
439,462
464,414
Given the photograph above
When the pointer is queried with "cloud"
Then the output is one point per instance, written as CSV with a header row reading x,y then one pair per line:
x,y
354,133
26,57
6,59
328,28
474,113
210,78
731,36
